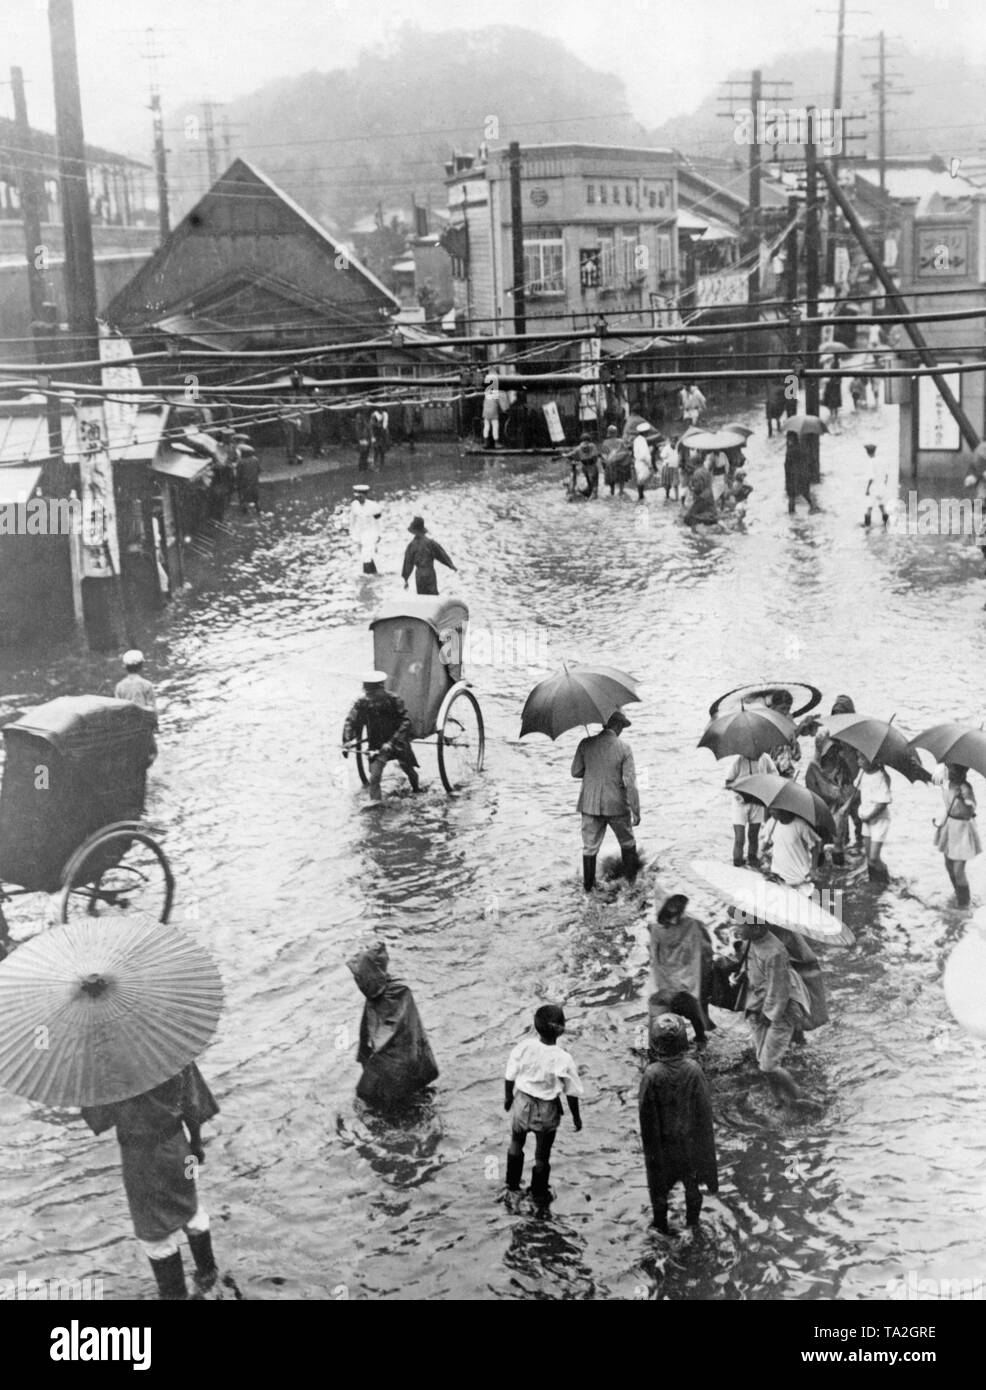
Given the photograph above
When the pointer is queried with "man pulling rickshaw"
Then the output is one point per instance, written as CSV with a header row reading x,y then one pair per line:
x,y
386,725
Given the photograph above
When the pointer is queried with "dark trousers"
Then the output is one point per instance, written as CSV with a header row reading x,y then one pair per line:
x,y
380,761
543,1141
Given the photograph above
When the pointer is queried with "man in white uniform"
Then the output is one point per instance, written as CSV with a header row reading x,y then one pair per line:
x,y
364,526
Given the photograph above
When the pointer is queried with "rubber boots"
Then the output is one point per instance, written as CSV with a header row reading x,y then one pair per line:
x,y
170,1276
962,894
661,1217
588,871
693,1208
539,1184
515,1170
631,862
200,1244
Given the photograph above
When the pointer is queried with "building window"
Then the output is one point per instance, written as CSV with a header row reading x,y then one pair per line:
x,y
629,195
652,197
590,192
616,192
602,193
544,261
607,258
630,240
664,254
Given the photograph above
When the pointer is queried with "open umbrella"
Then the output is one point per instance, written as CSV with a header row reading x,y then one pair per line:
x,y
833,346
96,1012
879,741
964,744
964,980
805,424
733,428
803,697
576,695
712,441
747,732
781,794
760,900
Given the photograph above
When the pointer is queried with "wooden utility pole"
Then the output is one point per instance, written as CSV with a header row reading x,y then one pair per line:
x,y
152,54
756,90
812,274
160,167
899,305
30,191
517,239
881,89
211,153
80,268
791,253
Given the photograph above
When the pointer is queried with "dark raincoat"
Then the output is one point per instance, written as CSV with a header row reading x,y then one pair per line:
x,y
154,1152
420,556
676,1126
394,1051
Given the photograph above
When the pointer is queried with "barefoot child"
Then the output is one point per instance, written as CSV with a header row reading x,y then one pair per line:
x,y
538,1074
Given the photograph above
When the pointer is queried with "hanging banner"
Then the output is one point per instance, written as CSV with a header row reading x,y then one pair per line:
x,y
591,404
725,288
120,409
937,429
100,546
553,420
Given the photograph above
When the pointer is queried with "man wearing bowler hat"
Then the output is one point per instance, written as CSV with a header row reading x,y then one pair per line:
x,y
383,720
608,796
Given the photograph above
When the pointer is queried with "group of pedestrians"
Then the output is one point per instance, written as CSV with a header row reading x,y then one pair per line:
x,y
421,553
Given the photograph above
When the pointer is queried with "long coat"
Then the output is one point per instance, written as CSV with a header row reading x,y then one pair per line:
x,y
676,1126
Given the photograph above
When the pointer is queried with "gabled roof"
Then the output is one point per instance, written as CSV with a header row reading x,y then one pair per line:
x,y
240,175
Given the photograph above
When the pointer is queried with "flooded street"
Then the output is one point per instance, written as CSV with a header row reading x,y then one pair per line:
x,y
279,874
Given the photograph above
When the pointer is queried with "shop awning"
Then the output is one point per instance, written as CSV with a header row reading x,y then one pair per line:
x,y
185,468
18,484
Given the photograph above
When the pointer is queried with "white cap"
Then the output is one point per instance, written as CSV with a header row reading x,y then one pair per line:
x,y
643,428
373,677
133,657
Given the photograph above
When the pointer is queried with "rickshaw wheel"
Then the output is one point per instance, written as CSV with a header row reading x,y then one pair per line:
x,y
461,740
362,760
120,870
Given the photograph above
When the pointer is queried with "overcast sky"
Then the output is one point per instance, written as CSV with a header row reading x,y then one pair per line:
x,y
670,53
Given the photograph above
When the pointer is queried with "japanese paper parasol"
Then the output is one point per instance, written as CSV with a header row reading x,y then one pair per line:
x,y
712,441
778,793
804,424
774,904
964,980
96,1012
576,695
747,732
803,697
879,741
964,744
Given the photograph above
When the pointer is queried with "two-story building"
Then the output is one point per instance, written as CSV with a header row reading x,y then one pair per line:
x,y
599,231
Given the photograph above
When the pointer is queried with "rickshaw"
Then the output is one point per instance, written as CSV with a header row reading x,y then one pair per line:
x,y
70,806
419,642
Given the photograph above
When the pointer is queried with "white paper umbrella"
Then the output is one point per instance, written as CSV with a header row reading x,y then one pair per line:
x,y
964,980
95,1012
761,900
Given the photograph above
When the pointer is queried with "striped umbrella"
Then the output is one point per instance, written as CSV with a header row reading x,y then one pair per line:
x,y
96,1012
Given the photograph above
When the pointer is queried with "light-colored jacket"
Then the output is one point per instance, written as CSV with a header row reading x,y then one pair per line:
x,y
609,778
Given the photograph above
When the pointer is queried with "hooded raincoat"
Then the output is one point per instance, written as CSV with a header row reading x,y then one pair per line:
x,y
676,1125
394,1051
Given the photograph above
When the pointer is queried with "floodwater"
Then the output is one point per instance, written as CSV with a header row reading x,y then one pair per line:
x,y
280,874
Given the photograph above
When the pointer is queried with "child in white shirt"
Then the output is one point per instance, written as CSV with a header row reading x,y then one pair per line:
x,y
538,1074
